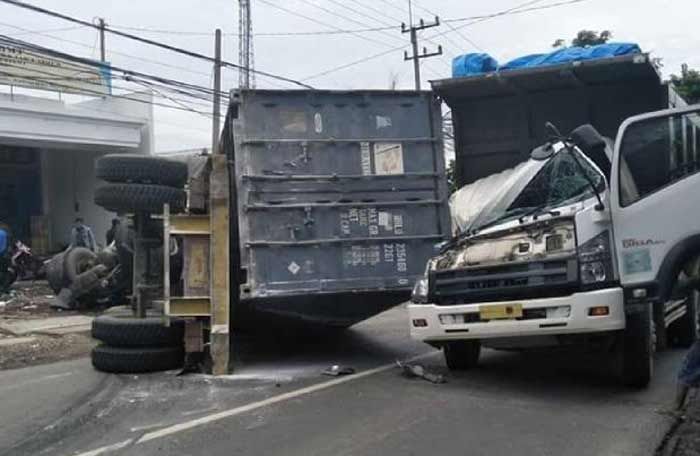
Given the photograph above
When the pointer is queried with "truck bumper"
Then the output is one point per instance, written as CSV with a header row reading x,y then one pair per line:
x,y
433,323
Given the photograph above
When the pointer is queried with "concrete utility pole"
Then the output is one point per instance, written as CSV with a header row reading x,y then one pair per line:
x,y
103,56
246,78
217,91
413,30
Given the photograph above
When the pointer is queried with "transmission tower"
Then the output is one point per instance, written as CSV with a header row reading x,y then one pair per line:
x,y
246,78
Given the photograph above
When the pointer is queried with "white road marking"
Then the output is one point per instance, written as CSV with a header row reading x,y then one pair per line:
x,y
186,425
264,403
36,380
105,449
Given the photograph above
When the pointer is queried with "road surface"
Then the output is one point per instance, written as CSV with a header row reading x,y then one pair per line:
x,y
278,403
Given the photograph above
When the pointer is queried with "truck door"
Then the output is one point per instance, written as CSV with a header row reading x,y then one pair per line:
x,y
655,190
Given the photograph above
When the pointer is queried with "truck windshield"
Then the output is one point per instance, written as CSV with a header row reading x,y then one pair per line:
x,y
558,182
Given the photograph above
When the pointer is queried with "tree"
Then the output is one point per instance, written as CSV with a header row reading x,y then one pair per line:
x,y
688,84
586,38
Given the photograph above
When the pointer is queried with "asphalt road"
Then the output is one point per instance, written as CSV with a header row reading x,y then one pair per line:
x,y
278,403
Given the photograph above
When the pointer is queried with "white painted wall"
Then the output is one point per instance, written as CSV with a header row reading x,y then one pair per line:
x,y
71,183
71,137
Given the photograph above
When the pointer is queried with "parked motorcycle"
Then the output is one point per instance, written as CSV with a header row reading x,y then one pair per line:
x,y
19,263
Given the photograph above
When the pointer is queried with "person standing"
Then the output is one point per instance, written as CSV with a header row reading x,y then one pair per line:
x,y
81,235
112,232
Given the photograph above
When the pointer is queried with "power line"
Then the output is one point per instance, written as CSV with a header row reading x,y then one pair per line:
x,y
513,10
61,29
259,34
171,48
451,27
91,63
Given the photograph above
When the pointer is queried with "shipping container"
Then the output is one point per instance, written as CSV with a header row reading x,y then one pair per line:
x,y
499,117
338,198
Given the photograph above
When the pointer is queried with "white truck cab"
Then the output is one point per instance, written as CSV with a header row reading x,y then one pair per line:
x,y
571,247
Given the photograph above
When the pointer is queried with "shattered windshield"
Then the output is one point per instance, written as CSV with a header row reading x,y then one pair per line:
x,y
539,186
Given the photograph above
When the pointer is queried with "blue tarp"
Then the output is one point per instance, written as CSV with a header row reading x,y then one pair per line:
x,y
473,64
468,64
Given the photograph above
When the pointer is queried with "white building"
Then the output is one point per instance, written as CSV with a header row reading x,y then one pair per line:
x,y
47,154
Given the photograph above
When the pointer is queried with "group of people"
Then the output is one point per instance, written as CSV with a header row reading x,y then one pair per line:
x,y
81,234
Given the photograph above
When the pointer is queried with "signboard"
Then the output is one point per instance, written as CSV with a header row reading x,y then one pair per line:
x,y
37,70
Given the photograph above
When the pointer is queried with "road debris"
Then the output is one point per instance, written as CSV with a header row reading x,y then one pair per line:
x,y
337,370
416,370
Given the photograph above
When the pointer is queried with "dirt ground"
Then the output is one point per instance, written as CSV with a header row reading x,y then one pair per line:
x,y
46,349
29,301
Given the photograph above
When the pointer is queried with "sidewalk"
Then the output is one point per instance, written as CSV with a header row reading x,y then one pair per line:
x,y
32,333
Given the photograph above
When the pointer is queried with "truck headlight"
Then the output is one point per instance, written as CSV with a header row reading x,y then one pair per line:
x,y
595,260
420,291
419,295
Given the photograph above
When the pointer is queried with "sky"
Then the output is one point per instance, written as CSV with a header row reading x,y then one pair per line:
x,y
666,28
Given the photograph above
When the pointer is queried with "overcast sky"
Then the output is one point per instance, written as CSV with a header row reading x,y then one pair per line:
x,y
666,28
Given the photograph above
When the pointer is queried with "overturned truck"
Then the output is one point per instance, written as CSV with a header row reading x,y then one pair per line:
x,y
317,208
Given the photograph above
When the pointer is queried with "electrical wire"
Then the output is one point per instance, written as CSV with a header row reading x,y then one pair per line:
x,y
513,10
161,45
53,77
88,62
61,29
259,34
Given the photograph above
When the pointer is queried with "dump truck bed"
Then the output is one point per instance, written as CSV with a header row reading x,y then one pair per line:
x,y
499,117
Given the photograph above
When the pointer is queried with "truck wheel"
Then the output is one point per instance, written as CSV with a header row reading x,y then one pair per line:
x,y
136,360
125,330
55,273
76,261
685,329
637,346
128,198
462,355
141,169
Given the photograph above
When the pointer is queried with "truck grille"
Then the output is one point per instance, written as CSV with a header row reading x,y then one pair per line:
x,y
546,278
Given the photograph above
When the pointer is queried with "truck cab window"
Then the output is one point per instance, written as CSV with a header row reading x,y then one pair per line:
x,y
559,181
656,153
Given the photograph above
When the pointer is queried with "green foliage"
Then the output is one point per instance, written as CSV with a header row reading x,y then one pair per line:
x,y
586,38
688,84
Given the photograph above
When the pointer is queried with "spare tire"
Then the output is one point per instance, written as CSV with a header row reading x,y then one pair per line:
x,y
78,260
55,273
136,360
129,198
142,169
125,330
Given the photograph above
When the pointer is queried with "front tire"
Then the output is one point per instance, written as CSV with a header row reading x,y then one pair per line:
x,y
462,355
637,347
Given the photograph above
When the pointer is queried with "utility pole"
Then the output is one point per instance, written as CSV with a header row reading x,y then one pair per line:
x,y
413,30
246,78
103,57
217,91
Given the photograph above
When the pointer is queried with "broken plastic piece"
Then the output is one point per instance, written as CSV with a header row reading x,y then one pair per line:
x,y
336,370
416,370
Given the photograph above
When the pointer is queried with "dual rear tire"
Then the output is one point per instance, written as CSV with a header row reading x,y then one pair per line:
x,y
137,345
140,183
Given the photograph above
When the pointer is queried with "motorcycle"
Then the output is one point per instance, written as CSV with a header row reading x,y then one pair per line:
x,y
19,263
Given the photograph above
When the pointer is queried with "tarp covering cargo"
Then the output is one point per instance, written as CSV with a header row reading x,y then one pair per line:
x,y
476,64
